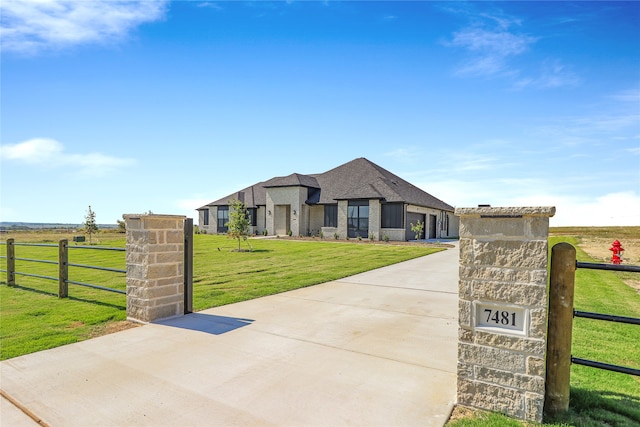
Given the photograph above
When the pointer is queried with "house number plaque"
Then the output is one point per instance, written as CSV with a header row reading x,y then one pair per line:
x,y
501,318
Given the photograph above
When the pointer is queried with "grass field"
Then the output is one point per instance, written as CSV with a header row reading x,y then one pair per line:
x,y
34,319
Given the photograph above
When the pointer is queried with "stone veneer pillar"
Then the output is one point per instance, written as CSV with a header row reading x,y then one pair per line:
x,y
503,309
155,266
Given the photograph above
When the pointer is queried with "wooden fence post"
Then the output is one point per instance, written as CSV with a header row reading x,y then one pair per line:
x,y
63,269
11,263
560,326
188,265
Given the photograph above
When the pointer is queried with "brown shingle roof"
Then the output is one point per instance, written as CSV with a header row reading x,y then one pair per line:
x,y
293,180
357,179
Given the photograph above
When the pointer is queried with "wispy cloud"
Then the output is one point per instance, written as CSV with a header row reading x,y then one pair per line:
x,y
601,128
492,43
50,153
631,95
210,5
30,26
405,154
553,74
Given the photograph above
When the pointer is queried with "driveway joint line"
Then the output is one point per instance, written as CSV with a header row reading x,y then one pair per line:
x,y
354,351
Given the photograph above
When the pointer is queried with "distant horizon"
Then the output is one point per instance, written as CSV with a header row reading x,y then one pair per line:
x,y
50,224
4,223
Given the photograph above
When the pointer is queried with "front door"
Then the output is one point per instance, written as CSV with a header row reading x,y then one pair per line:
x,y
282,220
432,226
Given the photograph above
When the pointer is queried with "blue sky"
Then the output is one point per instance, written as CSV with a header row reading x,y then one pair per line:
x,y
165,106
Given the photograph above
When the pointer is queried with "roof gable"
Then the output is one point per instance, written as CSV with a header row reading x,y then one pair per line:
x,y
357,179
293,180
361,179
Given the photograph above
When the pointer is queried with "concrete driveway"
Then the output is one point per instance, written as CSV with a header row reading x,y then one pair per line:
x,y
374,349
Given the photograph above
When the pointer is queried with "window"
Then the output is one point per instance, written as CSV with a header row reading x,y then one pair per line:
x,y
392,215
358,218
205,218
223,219
330,215
253,216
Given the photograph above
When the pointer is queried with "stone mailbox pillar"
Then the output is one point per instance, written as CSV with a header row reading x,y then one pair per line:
x,y
503,309
155,266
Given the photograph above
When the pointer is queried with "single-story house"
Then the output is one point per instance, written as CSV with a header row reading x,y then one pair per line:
x,y
356,199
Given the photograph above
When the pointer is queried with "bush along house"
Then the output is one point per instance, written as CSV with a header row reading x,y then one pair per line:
x,y
358,199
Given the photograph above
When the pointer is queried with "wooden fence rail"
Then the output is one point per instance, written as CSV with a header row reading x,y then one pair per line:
x,y
63,266
561,314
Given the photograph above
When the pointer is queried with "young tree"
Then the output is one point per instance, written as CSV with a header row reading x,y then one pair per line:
x,y
122,226
238,225
90,225
418,228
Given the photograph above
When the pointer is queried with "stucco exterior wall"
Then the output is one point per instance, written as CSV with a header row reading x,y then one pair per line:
x,y
343,209
316,219
454,226
441,231
261,220
395,234
375,212
283,200
286,211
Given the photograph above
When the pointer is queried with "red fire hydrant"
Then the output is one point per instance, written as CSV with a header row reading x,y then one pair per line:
x,y
616,248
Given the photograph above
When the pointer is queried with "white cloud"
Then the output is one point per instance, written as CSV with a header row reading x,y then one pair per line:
x,y
189,206
210,5
405,154
50,153
632,95
611,209
29,26
33,151
489,49
553,74
492,43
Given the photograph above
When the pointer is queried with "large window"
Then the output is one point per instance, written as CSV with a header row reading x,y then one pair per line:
x,y
253,216
223,219
205,216
330,215
392,215
358,218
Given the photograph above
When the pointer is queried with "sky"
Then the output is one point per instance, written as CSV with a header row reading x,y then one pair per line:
x,y
138,106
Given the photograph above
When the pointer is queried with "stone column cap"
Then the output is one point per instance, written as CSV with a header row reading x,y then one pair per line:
x,y
506,212
163,216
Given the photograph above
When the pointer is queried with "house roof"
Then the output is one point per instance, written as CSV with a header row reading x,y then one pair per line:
x,y
357,179
293,180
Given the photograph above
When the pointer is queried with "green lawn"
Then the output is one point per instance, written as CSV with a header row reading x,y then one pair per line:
x,y
275,265
601,397
34,319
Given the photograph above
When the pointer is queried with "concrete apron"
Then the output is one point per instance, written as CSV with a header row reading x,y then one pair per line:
x,y
377,348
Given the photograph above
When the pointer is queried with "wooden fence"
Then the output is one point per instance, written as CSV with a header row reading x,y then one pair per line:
x,y
561,314
63,265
